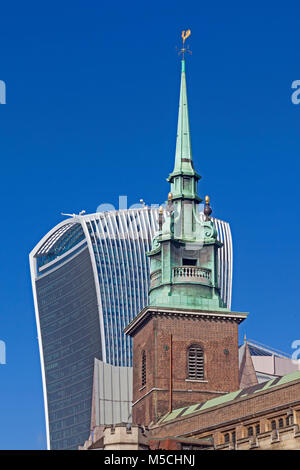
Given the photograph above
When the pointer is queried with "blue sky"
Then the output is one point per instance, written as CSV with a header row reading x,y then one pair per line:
x,y
92,99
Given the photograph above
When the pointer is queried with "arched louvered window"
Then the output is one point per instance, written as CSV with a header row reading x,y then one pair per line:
x,y
195,362
144,371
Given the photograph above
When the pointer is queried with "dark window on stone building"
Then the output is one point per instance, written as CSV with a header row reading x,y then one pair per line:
x,y
195,362
226,437
273,424
280,423
189,262
257,429
143,369
250,431
289,419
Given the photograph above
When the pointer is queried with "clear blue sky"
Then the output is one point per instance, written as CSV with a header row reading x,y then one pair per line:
x,y
92,98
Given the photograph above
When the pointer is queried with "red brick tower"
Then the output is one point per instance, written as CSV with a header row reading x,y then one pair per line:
x,y
180,358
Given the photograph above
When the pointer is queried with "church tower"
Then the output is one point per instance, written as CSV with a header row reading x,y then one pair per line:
x,y
185,342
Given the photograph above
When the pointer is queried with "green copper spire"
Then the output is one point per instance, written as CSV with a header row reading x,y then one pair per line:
x,y
184,259
183,156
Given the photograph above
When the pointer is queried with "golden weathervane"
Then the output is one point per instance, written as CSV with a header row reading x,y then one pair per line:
x,y
185,35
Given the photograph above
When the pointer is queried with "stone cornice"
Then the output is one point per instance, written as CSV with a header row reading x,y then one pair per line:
x,y
149,312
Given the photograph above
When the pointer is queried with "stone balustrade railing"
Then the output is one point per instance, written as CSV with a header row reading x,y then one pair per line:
x,y
191,274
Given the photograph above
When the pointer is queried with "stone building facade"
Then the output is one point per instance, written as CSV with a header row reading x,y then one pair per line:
x,y
264,416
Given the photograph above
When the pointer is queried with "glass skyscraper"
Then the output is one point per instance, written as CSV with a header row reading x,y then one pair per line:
x,y
90,277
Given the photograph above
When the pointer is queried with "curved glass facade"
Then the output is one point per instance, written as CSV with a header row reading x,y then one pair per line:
x,y
69,321
90,277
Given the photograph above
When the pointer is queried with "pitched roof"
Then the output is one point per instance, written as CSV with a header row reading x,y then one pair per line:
x,y
228,397
247,372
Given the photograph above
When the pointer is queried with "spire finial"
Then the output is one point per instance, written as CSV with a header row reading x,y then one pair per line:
x,y
185,35
207,209
170,205
160,218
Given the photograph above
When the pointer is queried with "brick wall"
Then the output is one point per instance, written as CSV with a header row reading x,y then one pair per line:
x,y
219,341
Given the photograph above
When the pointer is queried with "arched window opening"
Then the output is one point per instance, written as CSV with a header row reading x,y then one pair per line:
x,y
250,431
195,362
